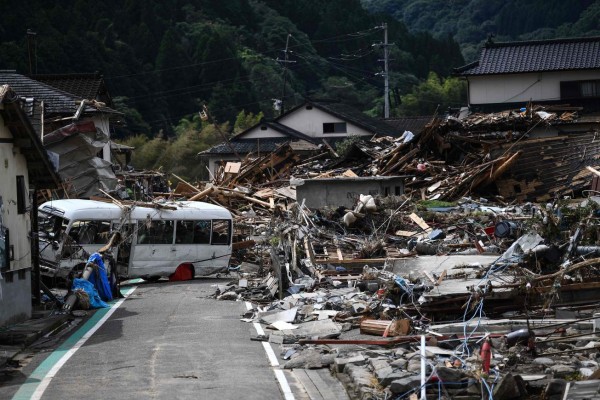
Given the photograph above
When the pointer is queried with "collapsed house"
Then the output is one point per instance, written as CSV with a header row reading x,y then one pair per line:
x,y
58,106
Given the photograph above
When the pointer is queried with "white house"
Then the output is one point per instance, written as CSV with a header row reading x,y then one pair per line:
x,y
510,74
24,166
305,127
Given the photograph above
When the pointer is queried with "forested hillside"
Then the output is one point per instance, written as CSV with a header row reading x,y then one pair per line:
x,y
163,59
470,22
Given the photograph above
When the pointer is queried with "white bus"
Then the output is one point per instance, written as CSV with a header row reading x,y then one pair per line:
x,y
154,241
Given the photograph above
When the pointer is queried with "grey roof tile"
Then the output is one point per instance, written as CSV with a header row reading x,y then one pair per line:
x,y
56,101
536,56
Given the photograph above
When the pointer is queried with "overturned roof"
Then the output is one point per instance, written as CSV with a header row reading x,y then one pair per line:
x,y
535,56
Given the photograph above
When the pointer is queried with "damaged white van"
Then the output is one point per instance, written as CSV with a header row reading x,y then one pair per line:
x,y
153,241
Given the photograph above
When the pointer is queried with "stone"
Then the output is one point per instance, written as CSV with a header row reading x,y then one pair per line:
x,y
359,375
510,387
545,361
381,368
414,366
586,372
404,385
400,351
387,381
400,363
446,374
310,359
340,362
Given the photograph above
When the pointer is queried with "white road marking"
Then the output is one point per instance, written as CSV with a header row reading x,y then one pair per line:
x,y
281,379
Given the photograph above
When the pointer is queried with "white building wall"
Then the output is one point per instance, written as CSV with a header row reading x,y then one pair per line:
x,y
15,295
258,133
310,122
511,88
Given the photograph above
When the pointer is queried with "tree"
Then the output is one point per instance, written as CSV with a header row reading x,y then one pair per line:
x,y
434,94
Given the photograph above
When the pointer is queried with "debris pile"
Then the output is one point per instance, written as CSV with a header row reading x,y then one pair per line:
x,y
479,280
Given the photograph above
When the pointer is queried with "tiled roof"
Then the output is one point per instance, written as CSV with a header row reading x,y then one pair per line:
x,y
536,56
56,101
246,146
413,124
85,86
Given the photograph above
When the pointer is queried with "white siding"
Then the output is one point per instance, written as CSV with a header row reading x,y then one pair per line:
x,y
310,122
258,133
511,88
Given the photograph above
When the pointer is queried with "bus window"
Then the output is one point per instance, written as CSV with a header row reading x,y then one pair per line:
x,y
155,232
90,232
184,232
50,226
202,232
221,231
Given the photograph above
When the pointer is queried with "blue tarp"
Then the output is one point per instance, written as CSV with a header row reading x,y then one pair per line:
x,y
99,278
88,287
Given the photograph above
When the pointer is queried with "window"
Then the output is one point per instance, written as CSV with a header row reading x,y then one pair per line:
x,y
90,232
221,231
202,232
334,127
193,232
155,232
578,89
21,195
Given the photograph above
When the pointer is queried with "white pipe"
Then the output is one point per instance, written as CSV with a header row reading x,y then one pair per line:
x,y
423,369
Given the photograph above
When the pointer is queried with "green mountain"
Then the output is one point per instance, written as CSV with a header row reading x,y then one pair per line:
x,y
163,59
471,22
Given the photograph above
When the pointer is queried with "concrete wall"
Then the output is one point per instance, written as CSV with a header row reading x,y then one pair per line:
x,y
15,296
13,303
337,192
511,88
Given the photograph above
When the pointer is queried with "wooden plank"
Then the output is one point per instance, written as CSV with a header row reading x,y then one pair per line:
x,y
419,221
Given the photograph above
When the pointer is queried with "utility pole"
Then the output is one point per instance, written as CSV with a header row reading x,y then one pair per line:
x,y
386,91
385,73
285,62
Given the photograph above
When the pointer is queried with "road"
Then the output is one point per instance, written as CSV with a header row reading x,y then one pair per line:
x,y
167,340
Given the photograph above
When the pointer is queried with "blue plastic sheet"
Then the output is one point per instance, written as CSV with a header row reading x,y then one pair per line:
x,y
88,287
100,279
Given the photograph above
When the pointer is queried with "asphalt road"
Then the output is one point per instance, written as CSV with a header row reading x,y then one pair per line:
x,y
169,341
